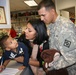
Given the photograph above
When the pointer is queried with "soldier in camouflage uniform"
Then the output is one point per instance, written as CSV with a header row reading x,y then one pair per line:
x,y
62,36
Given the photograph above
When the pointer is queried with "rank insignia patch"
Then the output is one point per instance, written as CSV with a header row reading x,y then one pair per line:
x,y
67,43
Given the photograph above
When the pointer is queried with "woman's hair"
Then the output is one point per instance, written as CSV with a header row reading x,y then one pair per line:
x,y
3,40
41,30
47,4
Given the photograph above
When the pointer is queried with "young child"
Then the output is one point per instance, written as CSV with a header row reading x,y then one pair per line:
x,y
13,50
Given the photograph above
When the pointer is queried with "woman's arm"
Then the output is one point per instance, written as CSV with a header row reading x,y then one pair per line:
x,y
31,61
34,62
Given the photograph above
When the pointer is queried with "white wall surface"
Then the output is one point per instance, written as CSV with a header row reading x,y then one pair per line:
x,y
63,4
5,4
65,14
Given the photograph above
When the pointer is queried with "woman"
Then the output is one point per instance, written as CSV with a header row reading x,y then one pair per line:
x,y
36,33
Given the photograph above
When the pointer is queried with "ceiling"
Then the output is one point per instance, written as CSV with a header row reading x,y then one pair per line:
x,y
17,5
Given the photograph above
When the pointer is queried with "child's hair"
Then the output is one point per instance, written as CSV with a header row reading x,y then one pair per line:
x,y
2,41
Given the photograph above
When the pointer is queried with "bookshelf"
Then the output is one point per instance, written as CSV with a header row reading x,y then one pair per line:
x,y
19,19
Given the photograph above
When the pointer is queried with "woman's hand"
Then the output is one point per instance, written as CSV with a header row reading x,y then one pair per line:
x,y
21,67
33,62
19,59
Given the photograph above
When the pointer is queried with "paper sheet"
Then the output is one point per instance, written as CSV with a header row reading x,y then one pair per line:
x,y
9,71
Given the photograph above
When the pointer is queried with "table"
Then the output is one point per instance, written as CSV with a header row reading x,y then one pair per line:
x,y
14,64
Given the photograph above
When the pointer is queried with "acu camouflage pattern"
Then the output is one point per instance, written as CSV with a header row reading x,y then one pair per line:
x,y
63,38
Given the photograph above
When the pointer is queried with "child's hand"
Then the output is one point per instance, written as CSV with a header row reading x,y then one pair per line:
x,y
2,68
21,67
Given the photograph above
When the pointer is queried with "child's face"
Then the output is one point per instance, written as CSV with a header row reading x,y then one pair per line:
x,y
11,44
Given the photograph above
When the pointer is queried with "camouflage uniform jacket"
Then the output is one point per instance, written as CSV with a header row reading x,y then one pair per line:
x,y
63,38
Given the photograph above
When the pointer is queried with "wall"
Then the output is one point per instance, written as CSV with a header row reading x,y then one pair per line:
x,y
5,4
65,14
63,4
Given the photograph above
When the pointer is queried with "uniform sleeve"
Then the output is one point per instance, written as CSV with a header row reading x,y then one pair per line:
x,y
66,43
26,56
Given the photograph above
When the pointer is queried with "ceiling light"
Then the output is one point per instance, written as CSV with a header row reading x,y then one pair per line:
x,y
31,3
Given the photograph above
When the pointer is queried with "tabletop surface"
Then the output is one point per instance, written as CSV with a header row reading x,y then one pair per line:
x,y
14,64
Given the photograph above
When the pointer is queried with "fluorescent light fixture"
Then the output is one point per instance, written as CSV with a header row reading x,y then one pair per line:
x,y
31,3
